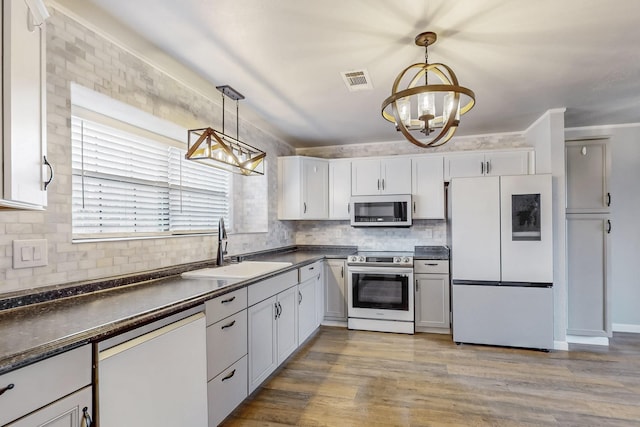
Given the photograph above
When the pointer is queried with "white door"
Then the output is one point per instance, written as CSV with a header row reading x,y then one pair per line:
x,y
365,177
395,175
588,272
427,187
506,163
306,308
67,412
287,323
526,228
463,165
475,228
339,189
157,379
432,300
335,297
588,168
315,184
263,358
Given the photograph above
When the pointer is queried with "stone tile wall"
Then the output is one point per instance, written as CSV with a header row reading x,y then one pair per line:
x,y
76,54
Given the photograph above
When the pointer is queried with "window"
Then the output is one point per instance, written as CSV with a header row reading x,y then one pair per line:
x,y
126,182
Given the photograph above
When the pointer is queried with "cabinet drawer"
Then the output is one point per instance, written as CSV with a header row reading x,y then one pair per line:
x,y
267,288
41,383
226,342
226,391
225,305
430,266
309,271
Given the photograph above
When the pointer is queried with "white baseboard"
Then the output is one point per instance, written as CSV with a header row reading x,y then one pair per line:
x,y
561,345
578,339
624,327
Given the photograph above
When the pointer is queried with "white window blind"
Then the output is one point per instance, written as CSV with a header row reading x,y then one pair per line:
x,y
125,184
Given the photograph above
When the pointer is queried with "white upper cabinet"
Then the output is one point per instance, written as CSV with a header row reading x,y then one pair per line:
x,y
588,168
303,188
387,175
427,184
339,188
23,109
488,163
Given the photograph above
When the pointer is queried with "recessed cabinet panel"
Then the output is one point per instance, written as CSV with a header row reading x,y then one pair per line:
x,y
588,166
67,412
339,189
303,188
427,186
335,292
385,175
432,300
487,163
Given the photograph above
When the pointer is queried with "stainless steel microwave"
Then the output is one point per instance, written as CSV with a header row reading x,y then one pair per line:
x,y
381,211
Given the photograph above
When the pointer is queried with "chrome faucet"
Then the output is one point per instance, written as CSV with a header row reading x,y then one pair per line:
x,y
222,237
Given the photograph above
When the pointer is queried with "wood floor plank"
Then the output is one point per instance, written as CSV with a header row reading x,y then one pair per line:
x,y
357,378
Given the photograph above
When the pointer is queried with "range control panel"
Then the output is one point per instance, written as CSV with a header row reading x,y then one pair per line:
x,y
395,260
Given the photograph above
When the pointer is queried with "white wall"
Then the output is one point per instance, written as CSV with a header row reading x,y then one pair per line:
x,y
625,210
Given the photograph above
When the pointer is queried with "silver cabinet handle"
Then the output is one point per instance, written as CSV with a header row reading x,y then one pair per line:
x,y
432,264
5,389
225,301
378,184
46,163
481,168
228,325
608,226
228,377
383,184
86,418
487,168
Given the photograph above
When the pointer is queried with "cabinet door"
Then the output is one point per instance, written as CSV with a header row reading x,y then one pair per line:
x,y
432,300
588,273
396,175
335,296
339,189
588,167
475,228
315,187
24,126
427,187
287,323
263,358
226,391
463,165
365,177
307,308
159,378
67,412
506,163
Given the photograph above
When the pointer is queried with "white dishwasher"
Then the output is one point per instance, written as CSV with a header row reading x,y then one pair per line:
x,y
158,378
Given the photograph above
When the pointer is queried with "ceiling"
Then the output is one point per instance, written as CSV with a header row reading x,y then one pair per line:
x,y
520,58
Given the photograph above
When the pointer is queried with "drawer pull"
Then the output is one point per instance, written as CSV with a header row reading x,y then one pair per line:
x,y
7,388
228,325
86,418
224,301
432,264
228,377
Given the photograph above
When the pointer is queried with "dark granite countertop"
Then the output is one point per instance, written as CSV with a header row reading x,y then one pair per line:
x,y
29,333
431,252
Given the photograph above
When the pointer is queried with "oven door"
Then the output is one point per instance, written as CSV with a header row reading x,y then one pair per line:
x,y
381,293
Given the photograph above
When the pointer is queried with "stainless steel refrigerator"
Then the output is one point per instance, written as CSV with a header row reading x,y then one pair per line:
x,y
502,260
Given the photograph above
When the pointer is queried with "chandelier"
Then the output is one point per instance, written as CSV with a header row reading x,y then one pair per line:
x,y
438,106
217,149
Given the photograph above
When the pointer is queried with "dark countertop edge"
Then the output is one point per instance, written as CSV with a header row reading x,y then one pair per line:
x,y
27,297
69,342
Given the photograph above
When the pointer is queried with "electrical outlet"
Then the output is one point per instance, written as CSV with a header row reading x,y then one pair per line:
x,y
30,253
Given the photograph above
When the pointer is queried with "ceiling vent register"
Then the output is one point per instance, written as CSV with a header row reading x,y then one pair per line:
x,y
356,80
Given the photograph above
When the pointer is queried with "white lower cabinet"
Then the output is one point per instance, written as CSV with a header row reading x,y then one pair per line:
x,y
335,291
432,296
42,386
227,391
156,379
273,334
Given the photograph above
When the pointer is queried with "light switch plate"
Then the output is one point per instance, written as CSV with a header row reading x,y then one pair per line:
x,y
30,253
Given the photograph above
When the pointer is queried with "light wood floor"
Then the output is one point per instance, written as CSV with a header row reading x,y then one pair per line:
x,y
355,378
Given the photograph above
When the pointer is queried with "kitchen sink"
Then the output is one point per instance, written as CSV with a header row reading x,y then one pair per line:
x,y
242,270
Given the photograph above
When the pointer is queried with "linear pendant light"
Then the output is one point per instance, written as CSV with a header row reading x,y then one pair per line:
x,y
217,149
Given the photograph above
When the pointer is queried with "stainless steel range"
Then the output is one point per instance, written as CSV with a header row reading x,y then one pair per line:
x,y
380,292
